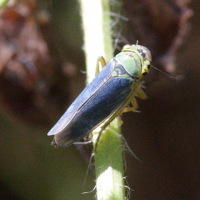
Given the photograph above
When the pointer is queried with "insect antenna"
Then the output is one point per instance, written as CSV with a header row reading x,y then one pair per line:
x,y
174,77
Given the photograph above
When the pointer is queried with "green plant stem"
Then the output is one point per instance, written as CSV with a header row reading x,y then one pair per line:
x,y
109,153
3,3
109,164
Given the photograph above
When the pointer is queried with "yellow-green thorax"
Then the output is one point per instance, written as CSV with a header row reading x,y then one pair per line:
x,y
135,60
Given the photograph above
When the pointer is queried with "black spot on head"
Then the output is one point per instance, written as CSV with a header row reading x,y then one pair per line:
x,y
142,53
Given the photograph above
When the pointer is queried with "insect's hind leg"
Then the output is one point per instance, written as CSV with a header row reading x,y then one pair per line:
x,y
103,63
102,128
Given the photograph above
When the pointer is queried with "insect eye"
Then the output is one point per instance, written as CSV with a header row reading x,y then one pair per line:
x,y
145,70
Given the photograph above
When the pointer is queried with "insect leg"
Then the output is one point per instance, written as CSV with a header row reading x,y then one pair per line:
x,y
101,130
140,93
133,107
120,110
103,63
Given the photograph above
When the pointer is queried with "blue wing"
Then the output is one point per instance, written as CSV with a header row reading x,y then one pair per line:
x,y
83,97
103,103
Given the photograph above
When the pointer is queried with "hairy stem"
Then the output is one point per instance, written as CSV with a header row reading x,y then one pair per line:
x,y
109,153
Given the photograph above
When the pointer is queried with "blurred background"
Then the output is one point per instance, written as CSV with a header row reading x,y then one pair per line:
x,y
42,72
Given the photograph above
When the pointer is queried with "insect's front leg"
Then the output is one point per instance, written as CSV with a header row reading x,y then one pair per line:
x,y
103,63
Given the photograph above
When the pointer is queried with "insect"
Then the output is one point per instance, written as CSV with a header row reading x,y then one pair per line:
x,y
111,93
